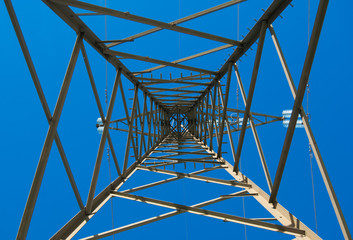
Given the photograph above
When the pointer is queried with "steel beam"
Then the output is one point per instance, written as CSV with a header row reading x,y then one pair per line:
x,y
227,125
152,60
213,115
182,141
166,180
142,137
206,121
224,113
157,218
280,213
254,131
81,218
155,123
78,25
196,177
213,50
253,113
149,121
131,123
41,96
272,12
99,105
314,39
135,18
251,93
38,177
172,90
121,120
97,165
182,20
313,144
213,214
153,81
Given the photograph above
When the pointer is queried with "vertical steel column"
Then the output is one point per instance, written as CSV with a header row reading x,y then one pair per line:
x,y
92,188
314,39
250,94
38,177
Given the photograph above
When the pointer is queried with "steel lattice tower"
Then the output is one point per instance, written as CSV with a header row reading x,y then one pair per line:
x,y
178,122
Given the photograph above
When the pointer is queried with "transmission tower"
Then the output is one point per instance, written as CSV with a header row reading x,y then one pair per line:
x,y
178,125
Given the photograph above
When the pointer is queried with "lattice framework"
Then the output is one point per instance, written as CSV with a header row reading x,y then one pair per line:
x,y
185,122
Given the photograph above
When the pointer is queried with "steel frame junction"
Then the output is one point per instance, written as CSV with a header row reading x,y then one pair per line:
x,y
177,125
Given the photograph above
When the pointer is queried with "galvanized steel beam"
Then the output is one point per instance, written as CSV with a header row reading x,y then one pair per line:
x,y
181,20
250,93
313,144
97,165
135,18
38,177
314,39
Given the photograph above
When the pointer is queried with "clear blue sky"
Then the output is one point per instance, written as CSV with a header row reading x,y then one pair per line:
x,y
50,42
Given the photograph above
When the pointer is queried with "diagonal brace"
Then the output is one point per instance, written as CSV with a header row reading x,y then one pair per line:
x,y
181,20
251,93
225,104
161,217
157,61
254,131
213,214
135,18
99,105
38,177
43,101
131,123
102,144
318,157
314,39
197,177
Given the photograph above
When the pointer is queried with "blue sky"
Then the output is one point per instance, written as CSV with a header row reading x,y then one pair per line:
x,y
50,42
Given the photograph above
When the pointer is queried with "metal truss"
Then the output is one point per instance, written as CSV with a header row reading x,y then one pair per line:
x,y
182,120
